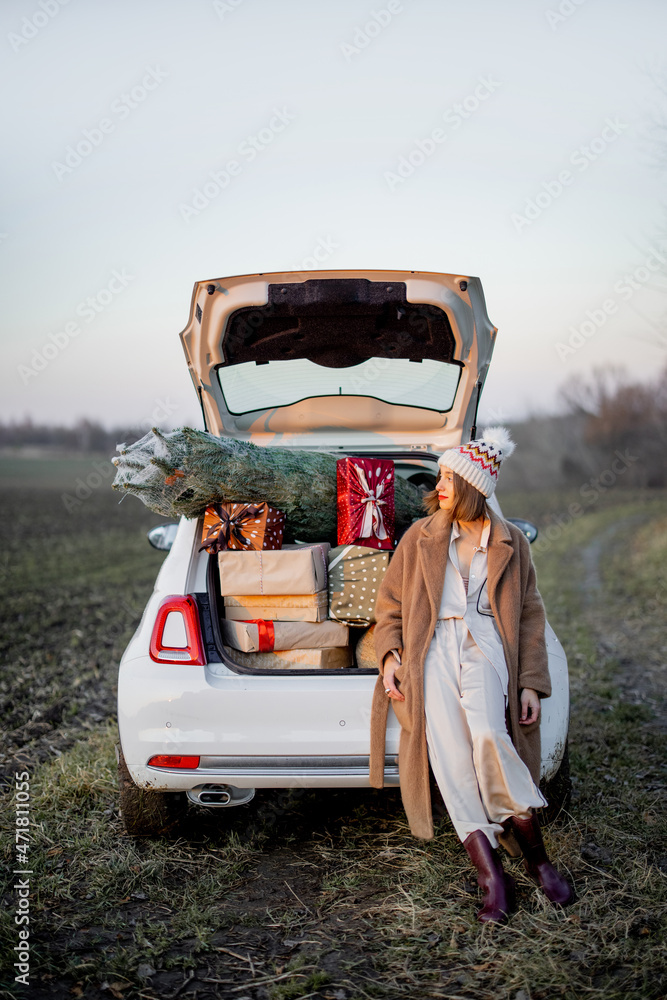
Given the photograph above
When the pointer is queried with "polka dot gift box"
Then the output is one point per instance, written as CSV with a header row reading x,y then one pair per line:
x,y
242,526
355,574
365,489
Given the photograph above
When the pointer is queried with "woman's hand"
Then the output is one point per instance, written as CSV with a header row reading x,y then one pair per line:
x,y
530,706
389,668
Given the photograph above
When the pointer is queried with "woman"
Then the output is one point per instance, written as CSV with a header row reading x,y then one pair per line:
x,y
460,639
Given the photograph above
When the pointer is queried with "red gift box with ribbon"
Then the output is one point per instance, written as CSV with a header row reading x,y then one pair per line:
x,y
266,634
366,502
242,526
257,635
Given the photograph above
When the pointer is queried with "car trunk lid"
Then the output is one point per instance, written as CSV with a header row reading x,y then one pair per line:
x,y
351,360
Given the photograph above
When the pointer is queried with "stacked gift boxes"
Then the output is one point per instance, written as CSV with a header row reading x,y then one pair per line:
x,y
292,606
276,609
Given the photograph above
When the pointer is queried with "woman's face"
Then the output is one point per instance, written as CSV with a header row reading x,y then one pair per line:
x,y
445,488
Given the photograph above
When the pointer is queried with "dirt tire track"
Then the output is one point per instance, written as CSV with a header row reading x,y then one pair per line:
x,y
617,637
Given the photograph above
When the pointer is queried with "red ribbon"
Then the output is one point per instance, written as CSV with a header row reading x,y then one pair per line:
x,y
266,633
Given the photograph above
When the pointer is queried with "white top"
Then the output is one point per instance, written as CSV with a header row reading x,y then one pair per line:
x,y
473,607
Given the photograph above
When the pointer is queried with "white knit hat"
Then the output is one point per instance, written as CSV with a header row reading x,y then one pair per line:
x,y
478,462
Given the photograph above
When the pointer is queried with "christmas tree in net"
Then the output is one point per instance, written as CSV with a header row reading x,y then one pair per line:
x,y
181,472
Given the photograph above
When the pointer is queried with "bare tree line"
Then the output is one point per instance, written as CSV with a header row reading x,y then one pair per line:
x,y
607,419
84,437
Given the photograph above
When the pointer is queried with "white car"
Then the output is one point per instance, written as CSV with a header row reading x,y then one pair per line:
x,y
369,363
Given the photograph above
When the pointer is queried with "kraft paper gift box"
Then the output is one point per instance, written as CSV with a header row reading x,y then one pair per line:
x,y
294,569
242,526
263,636
365,502
355,574
288,607
324,658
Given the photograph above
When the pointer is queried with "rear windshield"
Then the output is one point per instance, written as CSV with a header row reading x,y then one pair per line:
x,y
430,385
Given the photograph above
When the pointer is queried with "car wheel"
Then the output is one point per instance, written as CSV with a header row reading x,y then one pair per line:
x,y
147,813
558,790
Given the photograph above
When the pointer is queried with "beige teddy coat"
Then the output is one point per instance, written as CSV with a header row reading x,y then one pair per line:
x,y
406,612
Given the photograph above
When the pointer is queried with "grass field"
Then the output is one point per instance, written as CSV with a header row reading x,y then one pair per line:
x,y
307,894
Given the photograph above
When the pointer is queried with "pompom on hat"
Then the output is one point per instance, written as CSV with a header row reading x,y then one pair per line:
x,y
478,461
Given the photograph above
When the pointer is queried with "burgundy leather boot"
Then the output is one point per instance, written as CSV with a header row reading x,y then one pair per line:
x,y
529,837
497,886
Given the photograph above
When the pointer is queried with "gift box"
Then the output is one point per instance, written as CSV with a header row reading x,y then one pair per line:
x,y
242,526
288,607
294,569
262,636
365,488
324,658
355,575
364,654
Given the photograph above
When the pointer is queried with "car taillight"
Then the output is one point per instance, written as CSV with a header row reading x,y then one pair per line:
x,y
173,760
177,639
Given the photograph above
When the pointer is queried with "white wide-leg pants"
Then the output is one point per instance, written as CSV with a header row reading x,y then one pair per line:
x,y
480,775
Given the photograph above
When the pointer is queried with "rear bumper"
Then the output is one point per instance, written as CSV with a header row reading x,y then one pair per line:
x,y
248,731
340,771
266,731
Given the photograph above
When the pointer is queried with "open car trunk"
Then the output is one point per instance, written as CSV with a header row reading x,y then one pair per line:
x,y
382,364
421,469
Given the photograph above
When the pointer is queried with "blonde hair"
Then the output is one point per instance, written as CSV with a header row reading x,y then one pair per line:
x,y
469,504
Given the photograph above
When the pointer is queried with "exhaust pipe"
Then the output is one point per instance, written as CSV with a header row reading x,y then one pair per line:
x,y
217,796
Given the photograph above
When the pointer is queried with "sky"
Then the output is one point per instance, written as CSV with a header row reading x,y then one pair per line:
x,y
513,141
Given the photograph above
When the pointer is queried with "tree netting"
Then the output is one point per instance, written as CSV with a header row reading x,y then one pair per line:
x,y
181,472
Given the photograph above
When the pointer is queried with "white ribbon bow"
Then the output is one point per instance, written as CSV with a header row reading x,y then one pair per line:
x,y
372,522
